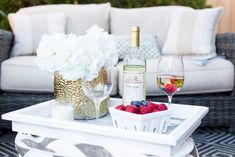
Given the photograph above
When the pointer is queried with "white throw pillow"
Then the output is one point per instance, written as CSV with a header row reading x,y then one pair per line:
x,y
28,30
192,32
148,45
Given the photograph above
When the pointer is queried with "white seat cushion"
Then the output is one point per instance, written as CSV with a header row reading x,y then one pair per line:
x,y
216,76
22,74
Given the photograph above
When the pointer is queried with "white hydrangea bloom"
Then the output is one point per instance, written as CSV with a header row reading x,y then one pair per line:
x,y
76,57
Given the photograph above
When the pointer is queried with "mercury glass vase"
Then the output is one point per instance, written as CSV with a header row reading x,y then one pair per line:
x,y
71,91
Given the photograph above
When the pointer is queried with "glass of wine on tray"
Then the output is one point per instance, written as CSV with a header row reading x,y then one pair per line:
x,y
170,75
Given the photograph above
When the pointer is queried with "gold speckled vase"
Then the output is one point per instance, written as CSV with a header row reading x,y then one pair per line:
x,y
71,91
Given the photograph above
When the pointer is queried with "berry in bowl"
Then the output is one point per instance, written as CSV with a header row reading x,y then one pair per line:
x,y
143,116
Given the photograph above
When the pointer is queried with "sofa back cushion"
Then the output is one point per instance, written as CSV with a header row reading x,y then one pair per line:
x,y
79,17
28,30
152,20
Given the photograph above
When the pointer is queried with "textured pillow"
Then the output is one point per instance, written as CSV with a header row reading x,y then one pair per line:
x,y
192,32
148,45
28,30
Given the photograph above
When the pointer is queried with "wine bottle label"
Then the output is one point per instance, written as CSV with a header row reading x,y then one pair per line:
x,y
133,86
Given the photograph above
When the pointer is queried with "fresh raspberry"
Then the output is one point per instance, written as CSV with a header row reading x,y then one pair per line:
x,y
173,80
132,109
145,109
141,106
162,107
152,105
170,88
121,107
156,110
156,105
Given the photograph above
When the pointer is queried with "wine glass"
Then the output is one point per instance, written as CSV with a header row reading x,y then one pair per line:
x,y
98,89
170,75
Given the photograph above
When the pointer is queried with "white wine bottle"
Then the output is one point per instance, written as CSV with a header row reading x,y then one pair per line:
x,y
134,68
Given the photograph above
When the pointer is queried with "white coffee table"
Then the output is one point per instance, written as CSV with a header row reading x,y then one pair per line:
x,y
36,120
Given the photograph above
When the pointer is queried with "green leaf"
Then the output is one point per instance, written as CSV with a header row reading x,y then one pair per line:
x,y
2,14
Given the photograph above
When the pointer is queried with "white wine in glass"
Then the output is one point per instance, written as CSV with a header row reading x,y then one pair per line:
x,y
170,75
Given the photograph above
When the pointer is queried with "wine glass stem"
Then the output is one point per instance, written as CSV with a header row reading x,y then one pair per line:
x,y
169,99
97,109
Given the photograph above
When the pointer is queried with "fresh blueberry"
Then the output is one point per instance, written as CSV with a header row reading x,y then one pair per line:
x,y
136,103
143,102
133,102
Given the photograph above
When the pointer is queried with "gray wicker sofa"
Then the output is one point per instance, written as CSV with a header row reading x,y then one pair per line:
x,y
221,105
20,73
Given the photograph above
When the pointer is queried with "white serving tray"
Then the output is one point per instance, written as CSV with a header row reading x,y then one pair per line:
x,y
36,120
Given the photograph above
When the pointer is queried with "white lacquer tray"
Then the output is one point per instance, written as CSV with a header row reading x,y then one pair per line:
x,y
36,120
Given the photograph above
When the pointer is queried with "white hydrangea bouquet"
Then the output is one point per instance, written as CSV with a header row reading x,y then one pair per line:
x,y
75,57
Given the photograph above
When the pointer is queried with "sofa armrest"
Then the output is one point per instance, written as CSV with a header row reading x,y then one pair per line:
x,y
225,45
6,41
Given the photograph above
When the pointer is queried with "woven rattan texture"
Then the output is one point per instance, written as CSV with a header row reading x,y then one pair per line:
x,y
225,44
6,39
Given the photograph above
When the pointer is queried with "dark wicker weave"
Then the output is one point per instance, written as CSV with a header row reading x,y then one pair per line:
x,y
6,39
225,44
221,105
